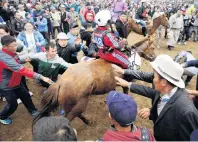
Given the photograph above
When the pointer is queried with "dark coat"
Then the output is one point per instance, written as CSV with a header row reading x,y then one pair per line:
x,y
4,14
139,75
66,52
178,118
64,23
63,17
122,28
17,26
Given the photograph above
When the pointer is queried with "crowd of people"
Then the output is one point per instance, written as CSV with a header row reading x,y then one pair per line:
x,y
49,34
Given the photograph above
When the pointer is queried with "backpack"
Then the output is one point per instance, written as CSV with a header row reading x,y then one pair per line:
x,y
145,134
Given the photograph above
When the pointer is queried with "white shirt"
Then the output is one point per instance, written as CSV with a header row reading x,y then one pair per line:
x,y
31,43
167,97
176,22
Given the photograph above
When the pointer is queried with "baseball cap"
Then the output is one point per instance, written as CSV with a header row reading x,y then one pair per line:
x,y
122,107
194,135
62,36
74,25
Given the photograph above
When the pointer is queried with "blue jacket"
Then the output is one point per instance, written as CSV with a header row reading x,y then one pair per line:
x,y
71,42
37,13
38,38
42,27
1,20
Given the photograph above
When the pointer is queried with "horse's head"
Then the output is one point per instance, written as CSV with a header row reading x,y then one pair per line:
x,y
149,51
145,49
164,20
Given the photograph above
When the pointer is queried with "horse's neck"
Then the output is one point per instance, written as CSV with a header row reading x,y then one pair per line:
x,y
152,30
154,27
141,49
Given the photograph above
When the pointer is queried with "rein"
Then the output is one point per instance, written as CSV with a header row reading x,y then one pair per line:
x,y
133,63
141,51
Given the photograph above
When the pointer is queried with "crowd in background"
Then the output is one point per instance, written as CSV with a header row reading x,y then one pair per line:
x,y
50,33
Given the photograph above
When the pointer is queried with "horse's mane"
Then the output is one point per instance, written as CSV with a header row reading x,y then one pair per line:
x,y
140,43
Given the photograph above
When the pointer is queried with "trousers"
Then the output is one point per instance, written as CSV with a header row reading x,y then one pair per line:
x,y
11,97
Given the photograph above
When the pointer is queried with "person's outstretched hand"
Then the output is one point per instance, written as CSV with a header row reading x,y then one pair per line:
x,y
122,82
47,80
144,113
117,69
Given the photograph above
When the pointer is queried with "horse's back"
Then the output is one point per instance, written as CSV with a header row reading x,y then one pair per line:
x,y
94,77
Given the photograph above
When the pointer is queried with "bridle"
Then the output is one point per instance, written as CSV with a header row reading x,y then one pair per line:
x,y
141,51
133,64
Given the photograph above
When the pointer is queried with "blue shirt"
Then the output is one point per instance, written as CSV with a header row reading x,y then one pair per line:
x,y
71,42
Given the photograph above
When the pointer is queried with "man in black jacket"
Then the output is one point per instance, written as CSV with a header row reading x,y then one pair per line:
x,y
64,23
17,24
64,50
173,113
122,26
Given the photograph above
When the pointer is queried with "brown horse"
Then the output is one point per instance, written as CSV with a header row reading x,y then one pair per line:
x,y
161,20
79,81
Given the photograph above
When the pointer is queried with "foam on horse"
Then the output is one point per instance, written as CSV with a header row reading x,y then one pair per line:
x,y
161,20
74,87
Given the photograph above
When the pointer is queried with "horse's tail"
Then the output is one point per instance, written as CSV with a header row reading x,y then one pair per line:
x,y
49,102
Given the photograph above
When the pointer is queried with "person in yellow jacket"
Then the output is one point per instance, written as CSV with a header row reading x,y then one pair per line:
x,y
191,9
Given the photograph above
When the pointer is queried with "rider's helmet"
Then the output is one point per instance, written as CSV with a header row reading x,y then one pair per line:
x,y
103,17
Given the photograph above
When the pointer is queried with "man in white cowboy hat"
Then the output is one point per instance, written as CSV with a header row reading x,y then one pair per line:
x,y
173,113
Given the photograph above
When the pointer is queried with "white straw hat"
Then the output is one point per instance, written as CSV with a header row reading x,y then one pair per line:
x,y
62,36
168,69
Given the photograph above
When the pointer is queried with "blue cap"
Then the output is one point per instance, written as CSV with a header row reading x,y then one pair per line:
x,y
122,107
194,135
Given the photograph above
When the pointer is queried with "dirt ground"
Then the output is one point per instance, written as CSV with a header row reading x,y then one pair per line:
x,y
96,111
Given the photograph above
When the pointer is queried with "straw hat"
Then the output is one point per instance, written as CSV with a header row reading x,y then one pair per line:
x,y
168,69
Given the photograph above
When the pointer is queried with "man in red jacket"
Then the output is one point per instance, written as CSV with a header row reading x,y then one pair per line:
x,y
107,43
122,113
11,72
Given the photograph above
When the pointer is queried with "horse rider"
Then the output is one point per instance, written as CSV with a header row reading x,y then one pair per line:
x,y
106,41
142,15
